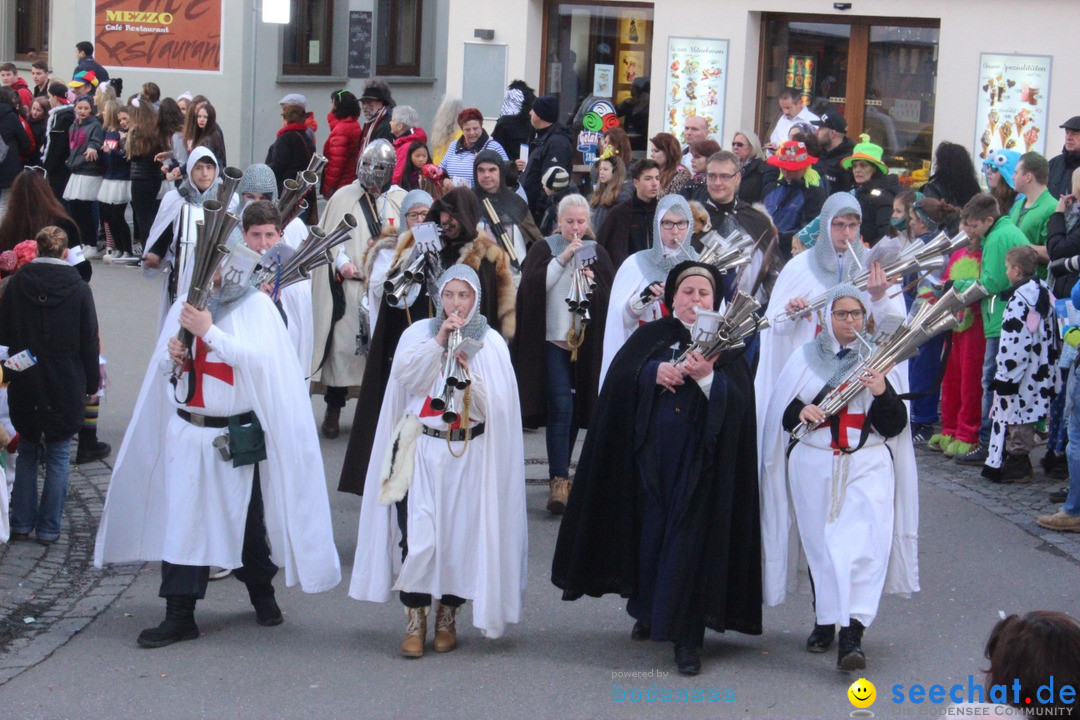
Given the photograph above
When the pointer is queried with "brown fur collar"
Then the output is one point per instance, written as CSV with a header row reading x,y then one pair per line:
x,y
472,254
386,241
701,217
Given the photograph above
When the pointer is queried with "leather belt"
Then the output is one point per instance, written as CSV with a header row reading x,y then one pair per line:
x,y
455,435
215,422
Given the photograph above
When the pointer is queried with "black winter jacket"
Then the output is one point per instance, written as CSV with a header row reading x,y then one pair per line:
x,y
758,180
48,309
1062,243
550,147
1061,170
17,141
875,198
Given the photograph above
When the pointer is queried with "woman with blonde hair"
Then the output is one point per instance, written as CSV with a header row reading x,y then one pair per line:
x,y
556,355
444,127
758,177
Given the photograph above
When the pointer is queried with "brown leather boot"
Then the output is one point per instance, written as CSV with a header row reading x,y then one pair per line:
x,y
415,633
560,492
445,629
330,428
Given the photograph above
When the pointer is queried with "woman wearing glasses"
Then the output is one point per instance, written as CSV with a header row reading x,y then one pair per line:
x,y
853,493
758,177
638,288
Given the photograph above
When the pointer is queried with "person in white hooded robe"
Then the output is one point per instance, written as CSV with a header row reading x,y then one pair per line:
x,y
174,496
638,289
838,256
174,226
444,506
851,483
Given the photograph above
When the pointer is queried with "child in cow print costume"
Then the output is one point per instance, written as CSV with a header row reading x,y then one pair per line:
x,y
1026,374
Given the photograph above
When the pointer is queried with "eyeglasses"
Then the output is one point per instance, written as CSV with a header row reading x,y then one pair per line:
x,y
673,224
724,177
736,143
416,215
991,169
848,314
841,225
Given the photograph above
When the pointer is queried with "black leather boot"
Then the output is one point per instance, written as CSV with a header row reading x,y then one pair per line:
x,y
687,659
821,639
641,631
179,624
849,654
267,612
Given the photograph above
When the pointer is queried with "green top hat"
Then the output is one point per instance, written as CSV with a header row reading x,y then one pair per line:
x,y
867,151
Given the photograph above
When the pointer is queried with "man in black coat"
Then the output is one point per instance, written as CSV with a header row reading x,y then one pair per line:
x,y
627,229
1062,166
48,310
831,133
84,54
549,148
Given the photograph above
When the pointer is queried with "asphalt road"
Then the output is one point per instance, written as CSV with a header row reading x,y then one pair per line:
x,y
337,658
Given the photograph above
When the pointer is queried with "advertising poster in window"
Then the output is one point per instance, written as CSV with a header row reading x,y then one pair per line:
x,y
159,34
1013,100
696,81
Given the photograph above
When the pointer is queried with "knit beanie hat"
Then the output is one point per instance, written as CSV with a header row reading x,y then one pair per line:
x,y
556,179
546,108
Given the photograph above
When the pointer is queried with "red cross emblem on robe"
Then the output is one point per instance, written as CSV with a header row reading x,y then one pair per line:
x,y
851,425
428,411
203,367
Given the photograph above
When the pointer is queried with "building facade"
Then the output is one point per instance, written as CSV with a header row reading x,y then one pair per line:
x,y
984,73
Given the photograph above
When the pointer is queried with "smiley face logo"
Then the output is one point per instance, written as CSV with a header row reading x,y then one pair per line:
x,y
862,693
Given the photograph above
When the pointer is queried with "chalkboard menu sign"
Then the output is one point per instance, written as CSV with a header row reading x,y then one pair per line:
x,y
359,44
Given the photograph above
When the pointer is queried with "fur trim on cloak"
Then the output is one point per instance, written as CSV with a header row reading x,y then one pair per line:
x,y
701,217
399,463
472,254
386,241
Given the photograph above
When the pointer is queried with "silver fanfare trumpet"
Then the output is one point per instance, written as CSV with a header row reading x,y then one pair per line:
x,y
726,254
415,267
313,252
230,181
929,321
291,202
715,332
212,232
579,297
925,258
455,378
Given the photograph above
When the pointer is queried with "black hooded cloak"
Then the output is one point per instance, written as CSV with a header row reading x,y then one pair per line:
x,y
703,565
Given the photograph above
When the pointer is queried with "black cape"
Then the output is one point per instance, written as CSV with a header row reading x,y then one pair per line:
x,y
597,548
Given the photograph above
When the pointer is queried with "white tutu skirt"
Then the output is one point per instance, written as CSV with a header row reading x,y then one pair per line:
x,y
83,187
115,192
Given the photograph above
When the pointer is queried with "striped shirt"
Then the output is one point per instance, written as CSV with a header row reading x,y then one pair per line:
x,y
459,165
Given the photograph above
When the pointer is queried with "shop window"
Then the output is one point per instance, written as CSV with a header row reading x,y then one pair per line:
x,y
307,41
879,73
599,51
398,37
31,30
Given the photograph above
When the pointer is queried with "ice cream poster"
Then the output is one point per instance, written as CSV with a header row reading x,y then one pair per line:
x,y
696,80
1013,103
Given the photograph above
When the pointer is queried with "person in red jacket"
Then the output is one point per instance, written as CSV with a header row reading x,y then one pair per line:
x,y
9,77
404,124
342,148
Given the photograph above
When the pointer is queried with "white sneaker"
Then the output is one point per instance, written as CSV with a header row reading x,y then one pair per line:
x,y
89,251
137,249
